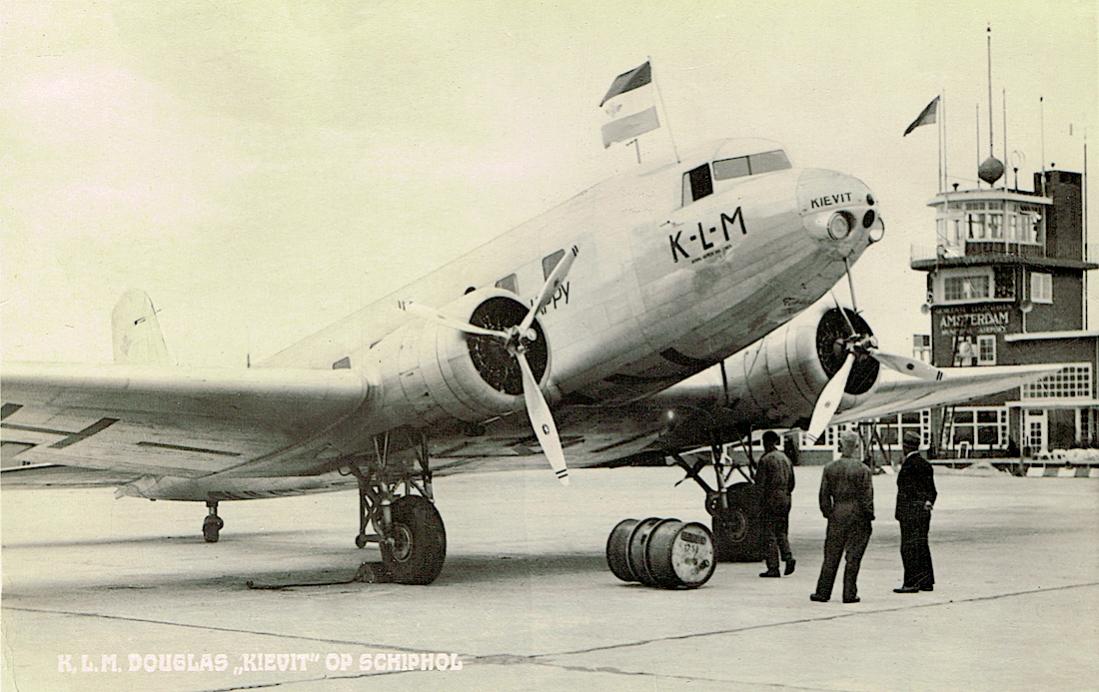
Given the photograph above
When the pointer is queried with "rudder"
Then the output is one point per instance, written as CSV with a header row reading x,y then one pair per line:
x,y
135,331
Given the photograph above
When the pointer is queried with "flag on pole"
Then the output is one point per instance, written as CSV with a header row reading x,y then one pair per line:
x,y
629,80
926,116
626,95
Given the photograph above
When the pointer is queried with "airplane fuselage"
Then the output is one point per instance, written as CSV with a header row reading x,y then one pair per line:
x,y
664,287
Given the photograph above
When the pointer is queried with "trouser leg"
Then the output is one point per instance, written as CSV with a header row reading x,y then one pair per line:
x,y
909,552
770,543
782,530
858,538
833,550
926,574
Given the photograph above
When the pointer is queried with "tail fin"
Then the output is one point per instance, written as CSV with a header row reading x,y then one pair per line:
x,y
136,331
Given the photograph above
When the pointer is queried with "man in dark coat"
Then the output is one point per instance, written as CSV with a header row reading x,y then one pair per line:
x,y
847,501
916,495
774,485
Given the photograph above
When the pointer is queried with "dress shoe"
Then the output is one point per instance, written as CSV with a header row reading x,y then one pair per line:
x,y
770,573
790,566
907,589
856,599
818,598
929,587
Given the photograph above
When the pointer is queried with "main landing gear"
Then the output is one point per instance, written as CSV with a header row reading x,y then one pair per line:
x,y
733,508
395,498
213,524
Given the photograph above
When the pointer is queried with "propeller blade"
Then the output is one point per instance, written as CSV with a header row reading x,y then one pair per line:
x,y
829,400
906,365
542,421
555,279
433,315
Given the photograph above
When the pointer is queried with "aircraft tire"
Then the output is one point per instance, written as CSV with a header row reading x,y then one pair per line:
x,y
211,528
420,549
737,535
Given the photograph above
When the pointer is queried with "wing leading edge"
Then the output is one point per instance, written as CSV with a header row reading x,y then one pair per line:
x,y
174,421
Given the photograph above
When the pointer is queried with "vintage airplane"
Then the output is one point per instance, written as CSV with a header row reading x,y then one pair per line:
x,y
645,309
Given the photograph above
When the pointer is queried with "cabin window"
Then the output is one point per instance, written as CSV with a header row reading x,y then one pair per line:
x,y
731,168
738,167
768,161
697,184
509,283
549,263
342,364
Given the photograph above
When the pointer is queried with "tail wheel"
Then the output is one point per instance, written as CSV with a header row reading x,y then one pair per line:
x,y
418,549
737,535
211,528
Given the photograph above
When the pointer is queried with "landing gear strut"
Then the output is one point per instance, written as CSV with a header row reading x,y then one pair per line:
x,y
213,524
733,508
395,497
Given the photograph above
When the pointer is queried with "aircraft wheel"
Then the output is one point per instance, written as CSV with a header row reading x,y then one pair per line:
x,y
419,541
211,528
737,536
360,541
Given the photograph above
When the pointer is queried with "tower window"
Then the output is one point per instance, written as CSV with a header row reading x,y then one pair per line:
x,y
1041,288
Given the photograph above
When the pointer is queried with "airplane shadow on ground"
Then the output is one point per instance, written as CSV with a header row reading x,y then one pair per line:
x,y
466,569
187,539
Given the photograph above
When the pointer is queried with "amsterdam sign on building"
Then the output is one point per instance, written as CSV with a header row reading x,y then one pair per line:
x,y
970,320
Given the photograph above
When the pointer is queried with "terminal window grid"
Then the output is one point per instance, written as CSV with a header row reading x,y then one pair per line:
x,y
979,428
1070,382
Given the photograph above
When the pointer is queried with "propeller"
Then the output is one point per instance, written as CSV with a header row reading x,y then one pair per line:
x,y
858,345
517,339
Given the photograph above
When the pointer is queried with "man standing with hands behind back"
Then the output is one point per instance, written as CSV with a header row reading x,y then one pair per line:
x,y
916,495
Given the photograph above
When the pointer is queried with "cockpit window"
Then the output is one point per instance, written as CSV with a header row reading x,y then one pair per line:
x,y
697,184
731,168
755,164
769,161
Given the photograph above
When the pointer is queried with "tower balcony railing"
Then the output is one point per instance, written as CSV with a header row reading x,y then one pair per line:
x,y
986,246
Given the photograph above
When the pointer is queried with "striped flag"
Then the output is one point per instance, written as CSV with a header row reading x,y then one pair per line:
x,y
926,116
629,102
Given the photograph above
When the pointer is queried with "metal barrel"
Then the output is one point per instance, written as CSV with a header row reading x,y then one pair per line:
x,y
639,545
618,543
678,555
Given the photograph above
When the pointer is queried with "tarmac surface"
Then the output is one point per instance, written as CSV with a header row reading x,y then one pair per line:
x,y
526,601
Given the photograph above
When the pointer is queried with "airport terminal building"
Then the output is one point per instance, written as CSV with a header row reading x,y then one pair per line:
x,y
1006,285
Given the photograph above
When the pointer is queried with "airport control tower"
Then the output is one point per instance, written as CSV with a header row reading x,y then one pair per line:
x,y
1006,282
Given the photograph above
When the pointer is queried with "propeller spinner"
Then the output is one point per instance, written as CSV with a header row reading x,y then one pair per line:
x,y
517,340
858,345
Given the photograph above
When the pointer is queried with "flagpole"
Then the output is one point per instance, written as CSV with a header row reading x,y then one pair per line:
x,y
940,133
946,170
663,107
978,144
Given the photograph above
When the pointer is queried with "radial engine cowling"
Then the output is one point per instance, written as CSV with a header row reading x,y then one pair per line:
x,y
776,382
443,373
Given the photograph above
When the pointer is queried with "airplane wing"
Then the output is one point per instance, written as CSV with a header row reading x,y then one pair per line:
x,y
172,421
898,394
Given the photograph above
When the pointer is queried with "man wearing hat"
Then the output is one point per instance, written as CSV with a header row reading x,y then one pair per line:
x,y
847,501
916,495
775,485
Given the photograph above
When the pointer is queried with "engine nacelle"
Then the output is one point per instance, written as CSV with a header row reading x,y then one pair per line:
x,y
777,382
443,373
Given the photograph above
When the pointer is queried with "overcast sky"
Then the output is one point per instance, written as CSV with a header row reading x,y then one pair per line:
x,y
263,170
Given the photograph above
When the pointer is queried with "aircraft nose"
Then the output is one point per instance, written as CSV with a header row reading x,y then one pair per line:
x,y
837,208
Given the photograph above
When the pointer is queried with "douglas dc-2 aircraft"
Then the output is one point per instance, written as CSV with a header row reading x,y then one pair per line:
x,y
646,310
